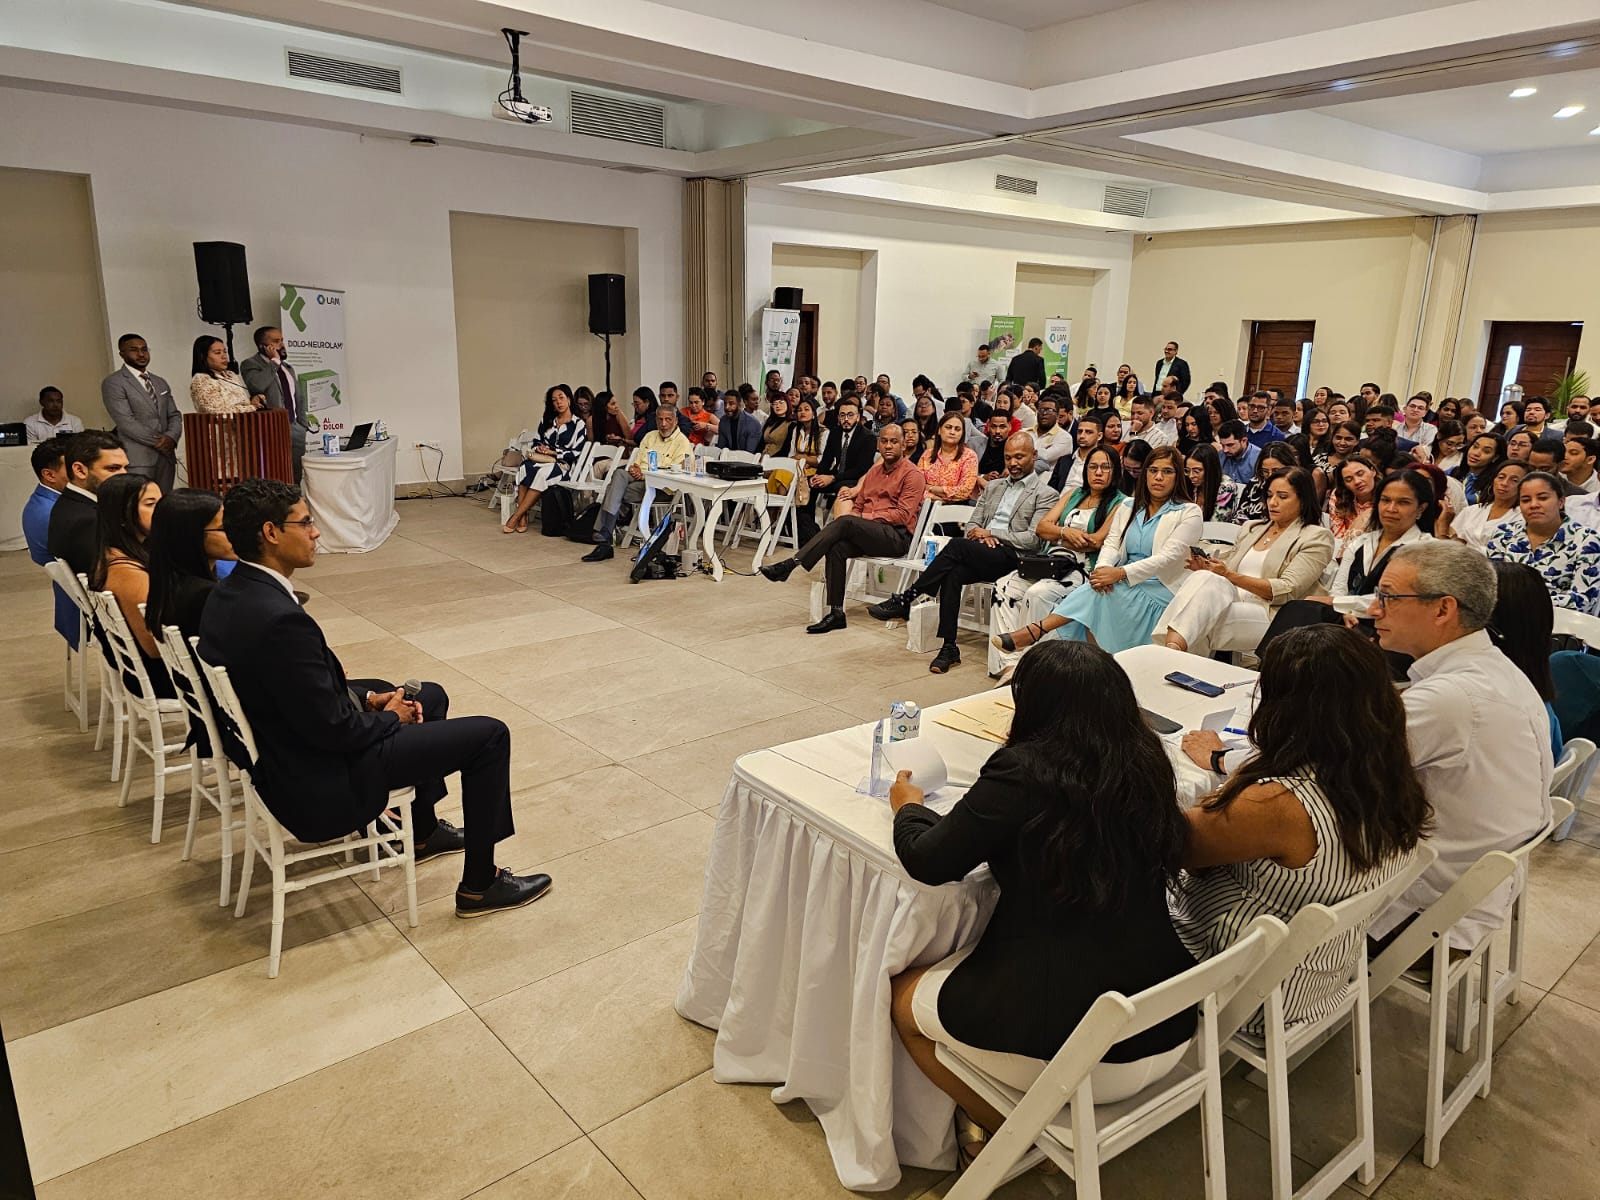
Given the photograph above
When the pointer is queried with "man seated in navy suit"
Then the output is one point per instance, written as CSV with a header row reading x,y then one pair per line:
x,y
332,749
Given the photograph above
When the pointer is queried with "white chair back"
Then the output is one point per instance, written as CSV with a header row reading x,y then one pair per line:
x,y
228,701
1583,626
62,576
744,456
125,656
1575,756
186,682
1223,533
945,512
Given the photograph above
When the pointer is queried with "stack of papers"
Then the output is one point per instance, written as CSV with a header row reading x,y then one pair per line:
x,y
985,717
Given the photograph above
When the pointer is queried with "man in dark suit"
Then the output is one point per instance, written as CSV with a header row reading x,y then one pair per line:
x,y
93,457
332,749
1171,364
738,430
846,457
1028,367
141,407
268,373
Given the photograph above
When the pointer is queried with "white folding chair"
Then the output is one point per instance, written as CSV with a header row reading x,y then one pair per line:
x,y
1429,935
154,727
1222,533
209,774
389,841
1058,1114
906,568
780,510
1571,780
1582,626
504,491
76,680
585,477
1329,933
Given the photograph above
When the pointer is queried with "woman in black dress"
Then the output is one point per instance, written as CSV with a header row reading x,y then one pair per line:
x,y
1078,819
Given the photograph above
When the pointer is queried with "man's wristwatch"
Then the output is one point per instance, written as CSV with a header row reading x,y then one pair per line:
x,y
1216,760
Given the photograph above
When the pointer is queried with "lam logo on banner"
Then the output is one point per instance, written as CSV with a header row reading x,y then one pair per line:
x,y
780,335
1057,341
313,335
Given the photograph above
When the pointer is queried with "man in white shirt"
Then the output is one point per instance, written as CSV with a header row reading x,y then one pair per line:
x,y
1050,439
1578,463
1142,425
51,419
985,367
1479,733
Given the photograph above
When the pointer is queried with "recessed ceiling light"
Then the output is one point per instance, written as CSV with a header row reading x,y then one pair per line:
x,y
1571,110
1522,92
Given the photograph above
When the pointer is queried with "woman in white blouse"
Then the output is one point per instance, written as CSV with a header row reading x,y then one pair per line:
x,y
1402,509
1475,524
213,387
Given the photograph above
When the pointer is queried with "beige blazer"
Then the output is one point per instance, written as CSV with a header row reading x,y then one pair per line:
x,y
1294,563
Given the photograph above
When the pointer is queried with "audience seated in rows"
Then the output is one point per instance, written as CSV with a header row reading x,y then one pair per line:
x,y
670,448
562,438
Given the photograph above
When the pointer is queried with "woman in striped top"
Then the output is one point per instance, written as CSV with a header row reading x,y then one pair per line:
x,y
1329,807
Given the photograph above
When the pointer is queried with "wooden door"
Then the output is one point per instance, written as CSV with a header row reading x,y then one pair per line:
x,y
1535,352
805,350
1278,349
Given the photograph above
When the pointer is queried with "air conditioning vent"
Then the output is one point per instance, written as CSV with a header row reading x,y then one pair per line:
x,y
1126,201
1017,184
304,65
620,120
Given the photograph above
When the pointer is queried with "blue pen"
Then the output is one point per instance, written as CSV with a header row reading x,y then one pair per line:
x,y
1240,732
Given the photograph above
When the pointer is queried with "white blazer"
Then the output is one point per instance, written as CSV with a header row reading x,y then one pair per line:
x,y
1176,531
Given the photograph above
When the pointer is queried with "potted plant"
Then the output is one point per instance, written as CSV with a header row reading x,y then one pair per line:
x,y
1564,388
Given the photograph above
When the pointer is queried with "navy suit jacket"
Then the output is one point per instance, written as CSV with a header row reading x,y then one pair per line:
x,y
318,770
742,432
74,531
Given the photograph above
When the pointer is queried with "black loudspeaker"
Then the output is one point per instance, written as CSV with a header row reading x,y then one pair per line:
x,y
608,311
224,283
788,298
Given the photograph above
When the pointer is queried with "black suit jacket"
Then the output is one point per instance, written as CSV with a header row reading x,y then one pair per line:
x,y
74,533
1026,367
1178,368
318,770
863,449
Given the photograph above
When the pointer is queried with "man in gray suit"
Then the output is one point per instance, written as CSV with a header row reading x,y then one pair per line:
x,y
141,407
269,374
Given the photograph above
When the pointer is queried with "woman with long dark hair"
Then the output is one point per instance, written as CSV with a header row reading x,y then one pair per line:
x,y
215,388
563,437
1214,492
1565,553
1484,452
1329,806
775,429
1252,502
1347,512
125,504
186,542
1133,456
1497,505
1522,626
1140,566
1223,410
948,465
926,414
1194,429
1078,819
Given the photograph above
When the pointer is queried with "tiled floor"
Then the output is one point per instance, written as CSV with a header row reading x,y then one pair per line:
x,y
537,1054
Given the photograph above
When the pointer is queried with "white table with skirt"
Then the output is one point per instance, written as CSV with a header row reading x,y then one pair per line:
x,y
17,482
808,914
352,496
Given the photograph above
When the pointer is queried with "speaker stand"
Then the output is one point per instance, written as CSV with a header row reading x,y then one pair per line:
x,y
608,361
227,332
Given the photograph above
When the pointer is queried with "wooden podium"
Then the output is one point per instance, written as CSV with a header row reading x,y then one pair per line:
x,y
223,448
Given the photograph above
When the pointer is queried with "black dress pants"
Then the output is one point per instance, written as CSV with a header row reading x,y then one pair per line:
x,y
420,756
852,537
962,562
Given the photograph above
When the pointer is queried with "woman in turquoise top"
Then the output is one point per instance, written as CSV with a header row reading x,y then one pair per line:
x,y
1140,565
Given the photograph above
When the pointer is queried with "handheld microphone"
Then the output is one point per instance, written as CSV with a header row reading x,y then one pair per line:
x,y
409,690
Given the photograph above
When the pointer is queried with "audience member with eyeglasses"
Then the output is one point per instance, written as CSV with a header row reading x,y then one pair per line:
x,y
331,749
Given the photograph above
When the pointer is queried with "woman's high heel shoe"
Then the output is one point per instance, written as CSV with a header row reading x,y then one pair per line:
x,y
1012,642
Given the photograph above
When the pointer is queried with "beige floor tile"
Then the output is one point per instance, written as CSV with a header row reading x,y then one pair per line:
x,y
446,614
553,819
1533,1136
395,555
1320,1090
57,787
669,684
698,771
1580,984
512,628
729,624
864,644
437,1113
709,1141
150,1066
603,897
380,594
525,670
60,970
347,631
1564,892
577,1171
672,719
602,1037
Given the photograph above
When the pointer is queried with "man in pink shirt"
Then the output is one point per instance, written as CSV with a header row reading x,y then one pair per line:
x,y
883,510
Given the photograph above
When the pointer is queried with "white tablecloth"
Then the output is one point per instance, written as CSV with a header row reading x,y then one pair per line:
x,y
16,485
352,496
807,915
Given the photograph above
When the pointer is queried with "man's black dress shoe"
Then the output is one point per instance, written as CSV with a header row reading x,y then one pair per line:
x,y
833,619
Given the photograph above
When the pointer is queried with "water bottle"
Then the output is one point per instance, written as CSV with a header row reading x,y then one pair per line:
x,y
652,460
933,553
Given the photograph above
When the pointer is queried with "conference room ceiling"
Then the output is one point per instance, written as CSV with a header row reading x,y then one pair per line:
x,y
1228,111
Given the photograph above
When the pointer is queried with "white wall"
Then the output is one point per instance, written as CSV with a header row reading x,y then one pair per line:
x,y
321,207
932,282
832,280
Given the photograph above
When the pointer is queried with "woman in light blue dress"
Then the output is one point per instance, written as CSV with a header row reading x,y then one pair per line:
x,y
1139,569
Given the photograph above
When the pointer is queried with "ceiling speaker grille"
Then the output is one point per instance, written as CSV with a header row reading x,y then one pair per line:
x,y
621,120
303,65
1126,201
1016,183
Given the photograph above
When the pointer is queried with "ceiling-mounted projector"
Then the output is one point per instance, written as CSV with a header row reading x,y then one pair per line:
x,y
512,101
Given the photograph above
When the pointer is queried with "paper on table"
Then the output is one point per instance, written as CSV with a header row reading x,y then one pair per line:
x,y
921,758
992,716
951,719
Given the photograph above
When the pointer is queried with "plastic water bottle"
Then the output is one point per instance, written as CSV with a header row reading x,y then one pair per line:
x,y
933,553
652,460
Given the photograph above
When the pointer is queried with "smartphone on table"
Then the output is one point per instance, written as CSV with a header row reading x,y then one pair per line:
x,y
1190,683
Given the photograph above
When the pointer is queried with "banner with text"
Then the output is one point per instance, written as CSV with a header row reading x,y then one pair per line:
x,y
313,336
1057,337
1005,337
780,335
